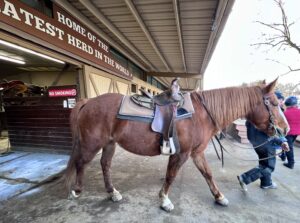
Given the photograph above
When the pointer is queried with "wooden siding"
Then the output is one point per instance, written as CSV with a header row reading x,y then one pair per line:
x,y
38,123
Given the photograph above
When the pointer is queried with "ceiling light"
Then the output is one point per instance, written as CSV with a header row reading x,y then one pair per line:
x,y
11,60
30,51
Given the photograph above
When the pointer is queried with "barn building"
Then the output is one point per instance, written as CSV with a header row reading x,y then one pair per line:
x,y
53,53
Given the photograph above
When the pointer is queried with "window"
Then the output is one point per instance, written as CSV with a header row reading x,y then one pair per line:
x,y
43,6
149,79
122,60
136,71
133,88
154,82
161,86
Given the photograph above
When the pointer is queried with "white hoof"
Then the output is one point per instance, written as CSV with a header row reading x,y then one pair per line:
x,y
168,208
73,194
115,196
222,201
166,204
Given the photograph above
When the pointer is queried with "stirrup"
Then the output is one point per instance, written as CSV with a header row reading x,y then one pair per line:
x,y
168,147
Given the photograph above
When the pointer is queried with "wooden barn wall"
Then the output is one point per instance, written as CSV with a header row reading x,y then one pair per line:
x,y
99,82
38,123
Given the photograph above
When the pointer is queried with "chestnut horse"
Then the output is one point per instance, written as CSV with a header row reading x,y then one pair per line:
x,y
95,125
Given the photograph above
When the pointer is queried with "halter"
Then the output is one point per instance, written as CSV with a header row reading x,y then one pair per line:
x,y
272,124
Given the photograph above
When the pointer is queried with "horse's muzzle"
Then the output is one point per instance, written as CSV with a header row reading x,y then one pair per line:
x,y
282,132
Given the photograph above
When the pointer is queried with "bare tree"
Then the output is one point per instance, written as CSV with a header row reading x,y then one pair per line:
x,y
286,89
289,89
280,37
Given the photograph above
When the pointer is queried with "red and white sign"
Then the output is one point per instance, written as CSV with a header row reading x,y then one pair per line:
x,y
62,92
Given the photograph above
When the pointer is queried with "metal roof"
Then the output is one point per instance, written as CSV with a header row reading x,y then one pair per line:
x,y
166,38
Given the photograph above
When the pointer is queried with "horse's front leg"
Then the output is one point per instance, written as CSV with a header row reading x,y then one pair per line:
x,y
106,158
175,162
202,165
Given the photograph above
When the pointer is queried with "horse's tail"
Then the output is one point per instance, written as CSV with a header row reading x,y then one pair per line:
x,y
71,167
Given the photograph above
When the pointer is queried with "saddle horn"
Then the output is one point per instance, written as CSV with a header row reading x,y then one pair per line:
x,y
175,81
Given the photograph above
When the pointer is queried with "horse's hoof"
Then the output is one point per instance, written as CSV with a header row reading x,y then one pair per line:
x,y
73,194
168,208
115,196
166,204
223,201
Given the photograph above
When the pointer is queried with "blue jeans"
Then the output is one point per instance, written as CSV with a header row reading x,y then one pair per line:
x,y
290,154
265,168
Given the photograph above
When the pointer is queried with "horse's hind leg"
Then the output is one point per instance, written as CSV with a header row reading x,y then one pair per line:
x,y
80,164
107,154
175,162
202,165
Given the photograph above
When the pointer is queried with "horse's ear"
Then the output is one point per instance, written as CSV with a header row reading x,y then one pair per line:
x,y
264,81
270,87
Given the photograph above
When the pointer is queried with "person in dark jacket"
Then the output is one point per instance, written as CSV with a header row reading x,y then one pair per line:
x,y
265,147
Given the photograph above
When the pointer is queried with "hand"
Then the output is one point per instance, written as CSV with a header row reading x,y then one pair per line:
x,y
285,147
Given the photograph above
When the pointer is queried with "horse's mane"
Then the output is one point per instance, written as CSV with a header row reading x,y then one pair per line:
x,y
227,104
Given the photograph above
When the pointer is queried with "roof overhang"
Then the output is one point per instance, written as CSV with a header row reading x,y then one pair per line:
x,y
166,38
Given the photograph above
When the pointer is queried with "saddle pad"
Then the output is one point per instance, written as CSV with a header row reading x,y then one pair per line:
x,y
129,108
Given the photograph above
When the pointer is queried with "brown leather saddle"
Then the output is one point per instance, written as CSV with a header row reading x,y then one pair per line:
x,y
163,109
165,112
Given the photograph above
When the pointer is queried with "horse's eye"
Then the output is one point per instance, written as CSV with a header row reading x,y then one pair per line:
x,y
274,103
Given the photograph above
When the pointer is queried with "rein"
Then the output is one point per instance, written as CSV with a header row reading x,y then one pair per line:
x,y
244,147
222,148
206,109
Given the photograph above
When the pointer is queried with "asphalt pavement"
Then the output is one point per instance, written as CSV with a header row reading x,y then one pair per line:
x,y
139,180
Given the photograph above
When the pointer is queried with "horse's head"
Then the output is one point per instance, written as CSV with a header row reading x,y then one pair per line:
x,y
267,115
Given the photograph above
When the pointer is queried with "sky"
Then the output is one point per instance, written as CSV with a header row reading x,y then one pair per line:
x,y
235,61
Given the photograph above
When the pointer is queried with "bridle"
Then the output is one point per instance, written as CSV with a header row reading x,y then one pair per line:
x,y
272,124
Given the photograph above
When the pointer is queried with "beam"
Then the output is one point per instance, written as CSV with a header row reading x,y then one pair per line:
x,y
100,16
171,74
73,11
139,20
178,24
